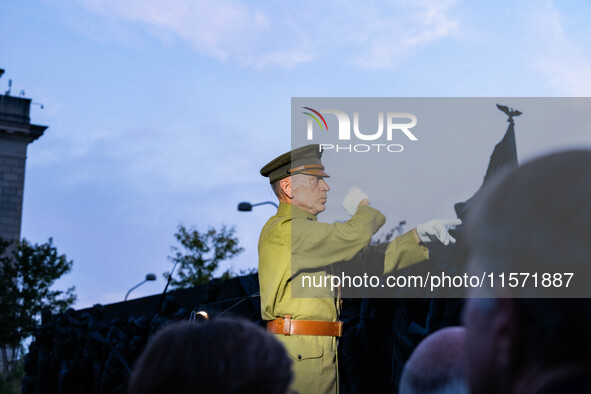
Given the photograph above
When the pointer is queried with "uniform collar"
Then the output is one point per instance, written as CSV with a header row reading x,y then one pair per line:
x,y
294,212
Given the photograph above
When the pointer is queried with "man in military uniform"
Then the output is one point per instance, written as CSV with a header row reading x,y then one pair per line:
x,y
293,243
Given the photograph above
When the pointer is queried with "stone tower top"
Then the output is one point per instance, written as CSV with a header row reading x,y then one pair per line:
x,y
16,132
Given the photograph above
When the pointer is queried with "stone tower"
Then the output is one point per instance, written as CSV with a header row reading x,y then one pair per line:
x,y
16,132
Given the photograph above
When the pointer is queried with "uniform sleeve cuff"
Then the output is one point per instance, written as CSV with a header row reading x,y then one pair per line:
x,y
417,238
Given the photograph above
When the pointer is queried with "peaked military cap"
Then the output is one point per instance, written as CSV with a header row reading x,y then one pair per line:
x,y
304,160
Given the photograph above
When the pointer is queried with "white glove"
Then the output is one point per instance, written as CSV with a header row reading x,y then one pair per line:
x,y
437,230
354,196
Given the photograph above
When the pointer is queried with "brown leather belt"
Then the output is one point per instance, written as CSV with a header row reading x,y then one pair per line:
x,y
287,326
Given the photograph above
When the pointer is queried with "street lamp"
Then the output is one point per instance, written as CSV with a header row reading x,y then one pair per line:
x,y
149,277
247,207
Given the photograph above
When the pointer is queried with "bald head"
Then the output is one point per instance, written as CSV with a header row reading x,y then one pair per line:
x,y
437,364
534,219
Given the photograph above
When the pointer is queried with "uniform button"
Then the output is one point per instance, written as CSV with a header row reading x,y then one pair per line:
x,y
299,356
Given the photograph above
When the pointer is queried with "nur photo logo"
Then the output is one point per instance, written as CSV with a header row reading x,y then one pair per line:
x,y
389,124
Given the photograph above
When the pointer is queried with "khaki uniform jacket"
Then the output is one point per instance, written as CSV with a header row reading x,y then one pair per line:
x,y
294,243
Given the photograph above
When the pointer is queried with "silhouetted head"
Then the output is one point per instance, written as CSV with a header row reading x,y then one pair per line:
x,y
219,356
437,365
535,219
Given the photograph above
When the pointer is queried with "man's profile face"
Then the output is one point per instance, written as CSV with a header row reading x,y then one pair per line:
x,y
481,346
309,192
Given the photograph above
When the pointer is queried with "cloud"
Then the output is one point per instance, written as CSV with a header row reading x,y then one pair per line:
x,y
150,158
391,39
286,34
222,29
561,59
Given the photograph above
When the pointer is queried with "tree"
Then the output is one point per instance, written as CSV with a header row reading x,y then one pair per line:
x,y
27,273
201,254
388,236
